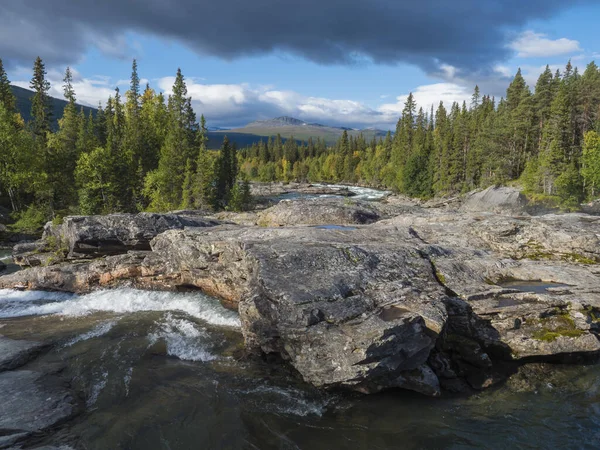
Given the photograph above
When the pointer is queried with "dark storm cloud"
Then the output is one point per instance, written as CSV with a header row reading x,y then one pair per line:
x,y
463,33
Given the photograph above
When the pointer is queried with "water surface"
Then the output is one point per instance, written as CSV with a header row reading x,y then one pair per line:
x,y
6,258
167,371
538,287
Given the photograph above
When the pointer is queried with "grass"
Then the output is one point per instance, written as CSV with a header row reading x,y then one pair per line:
x,y
537,252
550,202
557,326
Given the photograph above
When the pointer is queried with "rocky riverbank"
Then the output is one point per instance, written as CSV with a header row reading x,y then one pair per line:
x,y
365,296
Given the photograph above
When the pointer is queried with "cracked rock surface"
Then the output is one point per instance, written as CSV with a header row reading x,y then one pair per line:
x,y
419,299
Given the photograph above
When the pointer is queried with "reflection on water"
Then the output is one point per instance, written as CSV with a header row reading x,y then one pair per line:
x,y
6,258
335,227
538,287
155,376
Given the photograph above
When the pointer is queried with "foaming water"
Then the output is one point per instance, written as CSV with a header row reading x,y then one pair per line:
x,y
97,331
119,301
151,375
97,389
360,193
11,295
288,400
184,339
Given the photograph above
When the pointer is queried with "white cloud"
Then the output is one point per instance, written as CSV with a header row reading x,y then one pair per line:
x,y
531,45
430,95
89,91
237,104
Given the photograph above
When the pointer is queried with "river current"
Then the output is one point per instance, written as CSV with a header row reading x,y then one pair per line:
x,y
159,370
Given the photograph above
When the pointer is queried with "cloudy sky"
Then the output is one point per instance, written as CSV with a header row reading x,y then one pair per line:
x,y
339,62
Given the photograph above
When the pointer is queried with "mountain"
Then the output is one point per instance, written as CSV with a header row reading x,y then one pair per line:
x,y
283,121
288,127
23,97
243,137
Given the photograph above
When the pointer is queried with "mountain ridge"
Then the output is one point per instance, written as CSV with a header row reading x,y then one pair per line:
x,y
286,126
23,101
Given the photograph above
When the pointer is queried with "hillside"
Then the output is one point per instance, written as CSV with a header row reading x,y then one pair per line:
x,y
24,105
288,127
243,137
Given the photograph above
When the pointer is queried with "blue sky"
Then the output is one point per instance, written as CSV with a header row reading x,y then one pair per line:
x,y
348,78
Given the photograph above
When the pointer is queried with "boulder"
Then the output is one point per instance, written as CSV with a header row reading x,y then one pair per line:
x,y
592,207
84,276
325,211
14,354
417,301
345,311
496,199
31,402
95,236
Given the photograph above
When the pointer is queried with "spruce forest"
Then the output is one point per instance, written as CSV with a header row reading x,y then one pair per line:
x,y
144,152
547,141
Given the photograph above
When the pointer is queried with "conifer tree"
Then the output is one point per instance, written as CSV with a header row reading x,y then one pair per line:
x,y
591,163
7,97
41,108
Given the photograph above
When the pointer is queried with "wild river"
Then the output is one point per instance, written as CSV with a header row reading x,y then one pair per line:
x,y
158,370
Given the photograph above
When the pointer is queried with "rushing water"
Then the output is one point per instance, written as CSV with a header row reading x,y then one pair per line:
x,y
166,371
360,193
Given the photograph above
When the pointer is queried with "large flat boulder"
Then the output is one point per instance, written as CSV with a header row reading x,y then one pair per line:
x,y
84,237
345,311
31,402
496,199
14,354
328,211
94,236
418,301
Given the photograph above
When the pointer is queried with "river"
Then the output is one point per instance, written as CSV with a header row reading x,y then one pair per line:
x,y
358,193
157,370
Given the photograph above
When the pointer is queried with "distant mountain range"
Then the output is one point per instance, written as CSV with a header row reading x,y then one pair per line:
x,y
24,105
245,136
289,127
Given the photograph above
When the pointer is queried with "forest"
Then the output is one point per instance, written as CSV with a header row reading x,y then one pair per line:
x,y
546,141
145,152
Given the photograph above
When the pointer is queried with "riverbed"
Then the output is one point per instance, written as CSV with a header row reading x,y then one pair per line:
x,y
157,370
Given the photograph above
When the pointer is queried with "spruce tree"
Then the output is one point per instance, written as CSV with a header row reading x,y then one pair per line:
x,y
41,107
7,97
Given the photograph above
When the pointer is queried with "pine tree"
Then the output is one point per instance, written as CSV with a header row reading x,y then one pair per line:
x,y
588,104
7,97
187,198
226,173
41,108
590,169
403,141
19,168
133,142
63,155
544,94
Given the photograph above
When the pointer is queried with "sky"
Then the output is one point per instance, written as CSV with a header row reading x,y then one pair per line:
x,y
337,62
